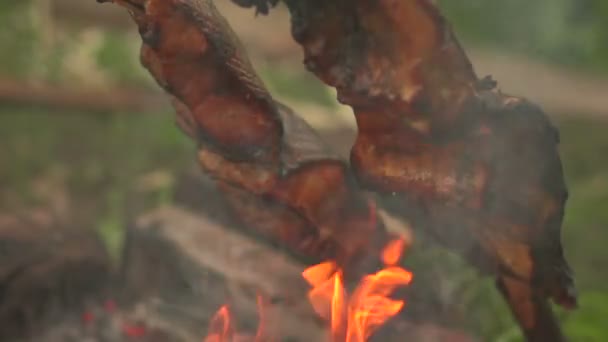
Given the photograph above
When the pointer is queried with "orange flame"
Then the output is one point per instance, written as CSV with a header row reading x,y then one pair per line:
x,y
356,317
221,327
352,318
393,251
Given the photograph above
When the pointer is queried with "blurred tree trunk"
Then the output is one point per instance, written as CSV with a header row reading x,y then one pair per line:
x,y
73,98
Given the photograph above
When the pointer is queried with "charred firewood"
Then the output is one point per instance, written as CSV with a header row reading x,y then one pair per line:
x,y
280,179
479,170
46,271
204,266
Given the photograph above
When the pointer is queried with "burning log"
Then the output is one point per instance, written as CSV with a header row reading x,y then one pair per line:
x,y
206,273
203,266
178,269
73,98
478,169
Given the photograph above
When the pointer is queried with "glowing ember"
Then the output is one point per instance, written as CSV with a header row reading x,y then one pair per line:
x,y
221,328
356,317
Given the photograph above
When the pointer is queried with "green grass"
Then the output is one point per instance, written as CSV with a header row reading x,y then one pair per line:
x,y
100,157
584,148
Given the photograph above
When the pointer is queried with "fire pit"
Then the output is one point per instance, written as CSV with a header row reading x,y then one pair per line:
x,y
352,318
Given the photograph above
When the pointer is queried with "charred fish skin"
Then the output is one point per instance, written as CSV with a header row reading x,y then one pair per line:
x,y
261,6
477,169
279,178
526,190
482,172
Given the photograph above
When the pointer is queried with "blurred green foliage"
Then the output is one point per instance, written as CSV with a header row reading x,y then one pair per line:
x,y
285,82
103,156
18,38
570,32
116,57
589,323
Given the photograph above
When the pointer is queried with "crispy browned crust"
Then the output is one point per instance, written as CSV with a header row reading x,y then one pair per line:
x,y
398,55
431,132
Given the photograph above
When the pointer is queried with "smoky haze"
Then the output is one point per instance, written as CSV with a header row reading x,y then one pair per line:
x,y
88,145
